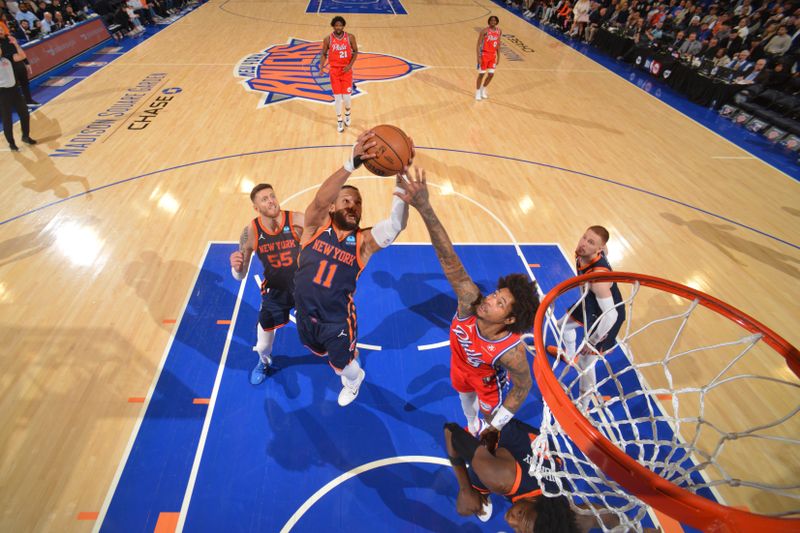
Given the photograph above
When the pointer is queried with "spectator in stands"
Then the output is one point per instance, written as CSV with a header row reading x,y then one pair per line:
x,y
25,33
58,21
743,8
721,58
597,18
680,38
580,18
564,15
779,44
740,62
710,51
71,16
779,77
47,24
25,13
691,47
755,74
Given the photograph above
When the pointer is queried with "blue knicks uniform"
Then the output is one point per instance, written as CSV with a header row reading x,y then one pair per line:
x,y
278,252
516,437
593,311
325,284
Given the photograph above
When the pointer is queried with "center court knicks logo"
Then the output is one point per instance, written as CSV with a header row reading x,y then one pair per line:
x,y
286,71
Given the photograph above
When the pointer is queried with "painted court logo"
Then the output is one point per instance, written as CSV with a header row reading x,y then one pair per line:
x,y
286,71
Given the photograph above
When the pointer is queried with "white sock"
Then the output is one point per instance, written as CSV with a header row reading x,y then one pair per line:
x,y
351,371
337,104
264,344
469,404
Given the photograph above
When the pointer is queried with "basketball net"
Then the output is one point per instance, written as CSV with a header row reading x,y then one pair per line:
x,y
651,423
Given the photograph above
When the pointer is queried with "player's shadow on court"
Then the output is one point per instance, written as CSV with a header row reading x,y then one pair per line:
x,y
46,176
26,245
724,237
319,436
424,307
499,99
160,284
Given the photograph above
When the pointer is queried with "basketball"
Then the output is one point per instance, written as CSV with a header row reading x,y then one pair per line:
x,y
393,151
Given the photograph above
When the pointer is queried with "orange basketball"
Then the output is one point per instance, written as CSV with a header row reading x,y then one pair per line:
x,y
393,151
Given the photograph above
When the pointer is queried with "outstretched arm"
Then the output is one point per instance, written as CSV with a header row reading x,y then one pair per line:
x,y
317,212
416,194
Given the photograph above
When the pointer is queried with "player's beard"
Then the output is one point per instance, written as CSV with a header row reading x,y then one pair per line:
x,y
341,222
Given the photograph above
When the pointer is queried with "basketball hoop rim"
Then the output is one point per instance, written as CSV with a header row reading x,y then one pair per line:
x,y
656,491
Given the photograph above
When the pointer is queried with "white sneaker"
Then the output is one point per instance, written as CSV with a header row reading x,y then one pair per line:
x,y
478,95
486,511
339,126
484,94
477,428
349,393
347,119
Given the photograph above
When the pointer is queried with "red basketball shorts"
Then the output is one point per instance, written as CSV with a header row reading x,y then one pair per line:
x,y
488,63
341,82
486,386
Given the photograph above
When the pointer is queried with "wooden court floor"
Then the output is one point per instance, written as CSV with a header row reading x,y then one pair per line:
x,y
97,251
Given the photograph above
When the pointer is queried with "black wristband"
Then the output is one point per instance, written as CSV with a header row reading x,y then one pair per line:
x,y
357,162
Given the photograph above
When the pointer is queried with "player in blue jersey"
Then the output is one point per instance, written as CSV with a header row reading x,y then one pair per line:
x,y
334,251
501,465
274,235
601,314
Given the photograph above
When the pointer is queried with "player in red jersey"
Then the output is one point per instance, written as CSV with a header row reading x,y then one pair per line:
x,y
342,49
485,333
274,236
488,56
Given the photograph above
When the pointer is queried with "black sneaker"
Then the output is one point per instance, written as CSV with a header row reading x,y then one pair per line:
x,y
28,140
13,147
33,103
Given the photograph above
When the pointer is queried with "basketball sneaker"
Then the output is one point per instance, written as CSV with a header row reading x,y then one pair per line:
x,y
259,372
484,94
339,126
350,392
477,428
347,119
478,95
486,511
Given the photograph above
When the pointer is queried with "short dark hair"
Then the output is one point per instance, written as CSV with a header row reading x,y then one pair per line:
x,y
338,18
350,187
554,515
526,301
257,189
489,20
601,232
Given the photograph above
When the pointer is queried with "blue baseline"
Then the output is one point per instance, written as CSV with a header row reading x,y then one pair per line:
x,y
269,448
784,160
375,7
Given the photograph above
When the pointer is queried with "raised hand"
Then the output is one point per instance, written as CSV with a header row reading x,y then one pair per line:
x,y
415,189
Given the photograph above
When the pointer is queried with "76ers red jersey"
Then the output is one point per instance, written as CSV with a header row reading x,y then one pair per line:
x,y
474,354
491,42
339,50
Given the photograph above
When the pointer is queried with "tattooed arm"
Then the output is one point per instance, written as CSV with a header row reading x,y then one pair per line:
x,y
516,362
240,261
416,194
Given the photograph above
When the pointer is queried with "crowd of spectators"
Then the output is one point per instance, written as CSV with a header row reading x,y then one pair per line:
x,y
759,41
29,20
